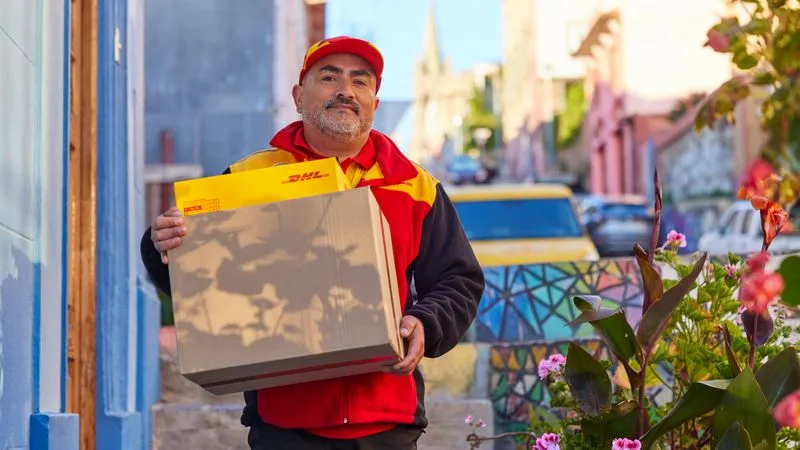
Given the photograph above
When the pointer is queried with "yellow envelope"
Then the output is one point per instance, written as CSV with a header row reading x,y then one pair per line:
x,y
252,187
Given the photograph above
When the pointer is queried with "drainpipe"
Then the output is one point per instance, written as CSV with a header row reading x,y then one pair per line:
x,y
166,159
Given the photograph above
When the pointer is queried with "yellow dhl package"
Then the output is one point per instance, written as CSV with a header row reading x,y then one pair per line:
x,y
253,187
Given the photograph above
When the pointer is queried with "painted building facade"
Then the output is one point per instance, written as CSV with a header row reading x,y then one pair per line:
x,y
635,75
537,74
78,327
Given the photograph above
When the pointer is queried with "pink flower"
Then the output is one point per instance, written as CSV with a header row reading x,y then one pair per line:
x,y
553,364
470,421
730,270
759,289
626,444
757,262
787,411
675,239
548,441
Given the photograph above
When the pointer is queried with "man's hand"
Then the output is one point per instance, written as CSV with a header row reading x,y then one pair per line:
x,y
167,232
412,330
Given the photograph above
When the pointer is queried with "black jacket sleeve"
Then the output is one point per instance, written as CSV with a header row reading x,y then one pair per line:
x,y
158,271
448,278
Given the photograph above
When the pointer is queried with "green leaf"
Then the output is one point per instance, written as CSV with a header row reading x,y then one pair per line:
x,y
651,279
588,382
735,369
763,79
758,26
780,376
744,402
701,398
614,329
745,61
587,302
790,271
735,438
657,317
617,422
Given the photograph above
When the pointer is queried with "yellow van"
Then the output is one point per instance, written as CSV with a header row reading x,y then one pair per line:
x,y
512,224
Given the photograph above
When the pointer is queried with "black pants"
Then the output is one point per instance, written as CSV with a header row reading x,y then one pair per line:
x,y
268,437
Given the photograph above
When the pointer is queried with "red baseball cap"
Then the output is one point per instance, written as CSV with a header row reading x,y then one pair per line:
x,y
345,44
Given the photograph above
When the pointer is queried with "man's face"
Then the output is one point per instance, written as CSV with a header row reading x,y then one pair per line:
x,y
337,96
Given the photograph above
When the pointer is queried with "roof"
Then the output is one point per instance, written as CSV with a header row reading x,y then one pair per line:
x,y
507,191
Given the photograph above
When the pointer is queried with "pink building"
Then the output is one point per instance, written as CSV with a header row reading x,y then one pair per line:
x,y
641,58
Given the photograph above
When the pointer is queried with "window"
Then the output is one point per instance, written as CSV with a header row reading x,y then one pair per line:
x,y
519,219
625,210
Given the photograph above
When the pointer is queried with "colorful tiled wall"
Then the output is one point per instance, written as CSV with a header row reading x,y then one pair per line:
x,y
524,317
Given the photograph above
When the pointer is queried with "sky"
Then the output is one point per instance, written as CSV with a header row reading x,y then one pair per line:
x,y
469,33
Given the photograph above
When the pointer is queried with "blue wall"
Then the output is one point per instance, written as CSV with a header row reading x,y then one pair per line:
x,y
209,79
127,314
34,49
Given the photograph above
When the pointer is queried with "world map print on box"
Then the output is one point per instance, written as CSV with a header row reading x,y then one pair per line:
x,y
534,302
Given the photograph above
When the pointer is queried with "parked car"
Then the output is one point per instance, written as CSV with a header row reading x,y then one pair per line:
x,y
464,169
511,224
739,232
616,223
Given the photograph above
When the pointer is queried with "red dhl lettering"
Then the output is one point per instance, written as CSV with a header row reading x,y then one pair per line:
x,y
304,177
192,208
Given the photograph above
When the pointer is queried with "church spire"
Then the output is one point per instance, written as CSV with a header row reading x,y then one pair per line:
x,y
432,56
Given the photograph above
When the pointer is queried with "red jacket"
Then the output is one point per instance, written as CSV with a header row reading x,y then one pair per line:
x,y
430,247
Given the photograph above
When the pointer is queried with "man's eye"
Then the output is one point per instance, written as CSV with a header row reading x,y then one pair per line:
x,y
328,78
361,82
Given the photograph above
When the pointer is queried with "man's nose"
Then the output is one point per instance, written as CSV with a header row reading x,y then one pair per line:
x,y
346,90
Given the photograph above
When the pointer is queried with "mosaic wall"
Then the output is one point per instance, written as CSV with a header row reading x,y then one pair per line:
x,y
515,385
524,316
534,302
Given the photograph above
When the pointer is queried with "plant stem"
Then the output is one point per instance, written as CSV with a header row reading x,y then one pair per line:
x,y
475,440
753,344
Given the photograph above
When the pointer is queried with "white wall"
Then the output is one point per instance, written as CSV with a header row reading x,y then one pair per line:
x,y
32,179
664,57
291,36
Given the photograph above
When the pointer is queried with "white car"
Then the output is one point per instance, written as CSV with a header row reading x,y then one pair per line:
x,y
739,232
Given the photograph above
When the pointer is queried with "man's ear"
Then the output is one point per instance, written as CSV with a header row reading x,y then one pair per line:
x,y
297,95
377,102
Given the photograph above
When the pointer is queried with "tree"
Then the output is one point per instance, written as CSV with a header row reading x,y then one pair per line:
x,y
480,116
766,48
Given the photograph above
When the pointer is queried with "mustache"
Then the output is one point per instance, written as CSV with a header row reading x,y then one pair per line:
x,y
342,101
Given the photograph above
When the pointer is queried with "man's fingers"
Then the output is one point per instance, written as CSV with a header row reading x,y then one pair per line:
x,y
168,244
168,233
407,326
174,212
413,356
162,222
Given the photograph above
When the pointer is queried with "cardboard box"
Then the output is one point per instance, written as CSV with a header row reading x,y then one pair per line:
x,y
253,187
286,292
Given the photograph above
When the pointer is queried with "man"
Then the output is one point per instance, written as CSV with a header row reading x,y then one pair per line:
x,y
337,98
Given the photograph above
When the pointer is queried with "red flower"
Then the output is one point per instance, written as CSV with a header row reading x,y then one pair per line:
x,y
759,289
787,411
718,41
757,180
774,219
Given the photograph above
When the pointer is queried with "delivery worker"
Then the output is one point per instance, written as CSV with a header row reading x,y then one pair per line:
x,y
336,96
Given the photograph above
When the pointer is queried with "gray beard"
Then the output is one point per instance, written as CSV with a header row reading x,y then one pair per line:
x,y
340,130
